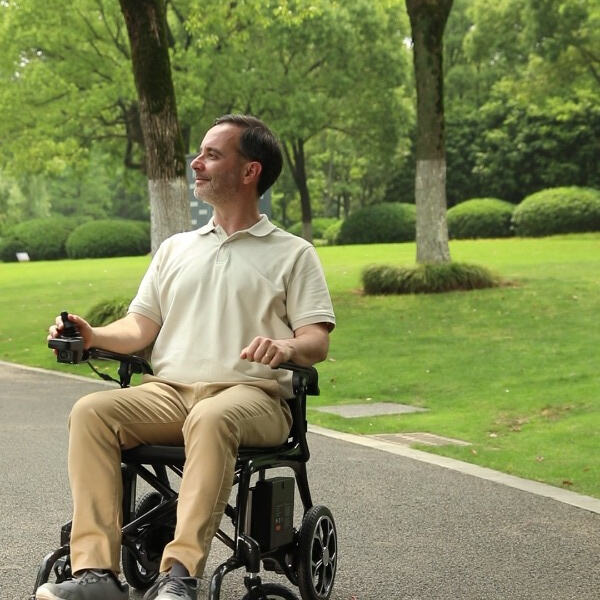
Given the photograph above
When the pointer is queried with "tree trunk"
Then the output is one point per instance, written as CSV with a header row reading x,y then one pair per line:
x,y
165,154
297,163
428,20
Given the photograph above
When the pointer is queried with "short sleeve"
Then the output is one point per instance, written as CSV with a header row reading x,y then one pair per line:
x,y
308,300
147,299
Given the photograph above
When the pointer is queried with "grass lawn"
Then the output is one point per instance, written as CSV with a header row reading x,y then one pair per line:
x,y
513,370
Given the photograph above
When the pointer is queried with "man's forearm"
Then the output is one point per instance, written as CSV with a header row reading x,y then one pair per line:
x,y
127,335
309,347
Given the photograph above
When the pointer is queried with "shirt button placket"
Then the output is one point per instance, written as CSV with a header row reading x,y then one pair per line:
x,y
223,253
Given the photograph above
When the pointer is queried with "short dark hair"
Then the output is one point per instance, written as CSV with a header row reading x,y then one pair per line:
x,y
258,143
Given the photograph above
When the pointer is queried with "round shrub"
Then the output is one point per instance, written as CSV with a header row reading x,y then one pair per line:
x,y
105,238
44,239
480,218
426,278
145,226
380,223
9,248
558,210
319,226
332,233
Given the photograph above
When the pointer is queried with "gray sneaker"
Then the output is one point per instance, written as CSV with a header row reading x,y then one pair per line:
x,y
174,588
90,585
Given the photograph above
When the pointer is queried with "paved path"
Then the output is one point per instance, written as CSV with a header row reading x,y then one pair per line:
x,y
408,530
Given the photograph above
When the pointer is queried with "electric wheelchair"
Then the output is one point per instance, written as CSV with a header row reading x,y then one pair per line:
x,y
262,517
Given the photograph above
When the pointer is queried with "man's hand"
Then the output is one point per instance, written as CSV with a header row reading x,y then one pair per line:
x,y
308,346
125,336
85,330
267,351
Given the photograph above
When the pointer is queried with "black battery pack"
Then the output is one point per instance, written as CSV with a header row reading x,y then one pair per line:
x,y
272,520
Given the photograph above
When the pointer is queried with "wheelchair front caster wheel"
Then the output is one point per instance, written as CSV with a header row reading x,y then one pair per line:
x,y
152,544
317,553
270,591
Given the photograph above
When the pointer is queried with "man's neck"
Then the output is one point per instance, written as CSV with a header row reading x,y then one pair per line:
x,y
236,221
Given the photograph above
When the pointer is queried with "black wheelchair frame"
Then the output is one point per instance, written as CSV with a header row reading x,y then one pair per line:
x,y
309,560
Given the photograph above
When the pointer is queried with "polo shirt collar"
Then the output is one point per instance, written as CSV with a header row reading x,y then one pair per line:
x,y
260,229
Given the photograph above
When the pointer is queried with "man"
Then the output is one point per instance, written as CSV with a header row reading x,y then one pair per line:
x,y
224,305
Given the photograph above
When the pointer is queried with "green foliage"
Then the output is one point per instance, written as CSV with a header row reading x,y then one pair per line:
x,y
332,233
108,238
9,248
380,223
107,311
44,239
558,210
480,218
426,278
319,226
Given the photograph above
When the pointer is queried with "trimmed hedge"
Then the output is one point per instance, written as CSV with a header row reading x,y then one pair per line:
x,y
380,223
98,239
558,210
42,239
319,226
9,248
426,278
480,218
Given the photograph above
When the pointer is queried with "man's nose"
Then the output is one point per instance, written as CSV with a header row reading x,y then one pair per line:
x,y
197,163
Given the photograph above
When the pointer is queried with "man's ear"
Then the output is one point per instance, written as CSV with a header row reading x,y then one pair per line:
x,y
252,171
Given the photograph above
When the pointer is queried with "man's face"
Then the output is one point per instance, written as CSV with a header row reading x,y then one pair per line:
x,y
218,167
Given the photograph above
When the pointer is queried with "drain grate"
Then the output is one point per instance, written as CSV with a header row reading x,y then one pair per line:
x,y
427,439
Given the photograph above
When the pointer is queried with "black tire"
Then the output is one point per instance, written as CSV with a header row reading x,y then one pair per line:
x,y
153,544
270,591
317,554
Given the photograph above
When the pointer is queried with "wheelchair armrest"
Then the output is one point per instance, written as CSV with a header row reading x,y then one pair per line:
x,y
129,364
138,364
304,380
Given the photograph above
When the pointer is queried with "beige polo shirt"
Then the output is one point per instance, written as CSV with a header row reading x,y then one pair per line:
x,y
212,294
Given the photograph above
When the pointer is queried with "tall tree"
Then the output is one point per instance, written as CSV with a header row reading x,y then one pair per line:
x,y
165,154
428,20
305,70
69,65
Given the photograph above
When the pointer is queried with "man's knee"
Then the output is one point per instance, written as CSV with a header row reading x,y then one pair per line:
x,y
209,419
93,407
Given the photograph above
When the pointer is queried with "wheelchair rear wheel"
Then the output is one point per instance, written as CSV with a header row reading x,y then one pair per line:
x,y
317,553
270,591
152,543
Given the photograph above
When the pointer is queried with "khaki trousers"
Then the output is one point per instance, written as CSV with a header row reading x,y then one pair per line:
x,y
212,420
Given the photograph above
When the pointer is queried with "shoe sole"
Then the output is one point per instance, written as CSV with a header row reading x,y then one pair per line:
x,y
46,595
42,594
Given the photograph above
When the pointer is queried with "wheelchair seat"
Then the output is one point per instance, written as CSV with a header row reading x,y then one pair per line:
x,y
306,555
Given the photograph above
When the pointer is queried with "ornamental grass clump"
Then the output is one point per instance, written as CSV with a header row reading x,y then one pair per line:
x,y
107,311
426,278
